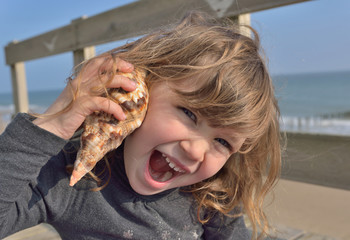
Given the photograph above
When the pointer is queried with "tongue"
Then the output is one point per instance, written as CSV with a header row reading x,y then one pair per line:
x,y
158,163
159,168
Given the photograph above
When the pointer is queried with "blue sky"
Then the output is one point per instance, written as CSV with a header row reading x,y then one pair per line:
x,y
306,37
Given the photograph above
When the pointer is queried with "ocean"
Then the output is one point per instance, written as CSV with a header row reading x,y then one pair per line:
x,y
317,103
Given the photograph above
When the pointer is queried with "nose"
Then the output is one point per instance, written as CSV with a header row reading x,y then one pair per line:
x,y
194,149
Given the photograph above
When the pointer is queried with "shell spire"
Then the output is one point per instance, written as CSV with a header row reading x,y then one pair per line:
x,y
103,133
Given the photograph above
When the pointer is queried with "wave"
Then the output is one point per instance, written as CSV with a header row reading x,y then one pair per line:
x,y
317,125
7,111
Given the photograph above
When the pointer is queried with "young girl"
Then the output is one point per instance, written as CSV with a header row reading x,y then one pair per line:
x,y
212,117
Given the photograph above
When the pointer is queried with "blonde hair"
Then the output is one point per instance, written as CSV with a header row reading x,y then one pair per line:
x,y
235,91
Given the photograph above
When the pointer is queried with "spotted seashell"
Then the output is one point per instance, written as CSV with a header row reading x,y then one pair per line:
x,y
103,132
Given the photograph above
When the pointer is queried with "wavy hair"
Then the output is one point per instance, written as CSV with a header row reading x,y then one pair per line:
x,y
235,91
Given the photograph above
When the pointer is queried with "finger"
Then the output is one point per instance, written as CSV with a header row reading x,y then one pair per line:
x,y
120,81
114,109
124,66
107,106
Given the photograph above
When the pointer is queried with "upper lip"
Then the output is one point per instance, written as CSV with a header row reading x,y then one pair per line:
x,y
177,163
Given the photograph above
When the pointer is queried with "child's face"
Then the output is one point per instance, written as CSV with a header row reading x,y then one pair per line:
x,y
174,147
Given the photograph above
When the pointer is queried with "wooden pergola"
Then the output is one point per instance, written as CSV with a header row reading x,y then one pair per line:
x,y
316,159
135,19
131,20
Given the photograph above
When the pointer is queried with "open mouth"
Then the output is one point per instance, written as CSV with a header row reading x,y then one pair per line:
x,y
161,168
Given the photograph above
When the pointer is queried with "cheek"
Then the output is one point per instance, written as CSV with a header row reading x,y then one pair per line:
x,y
211,167
161,128
153,131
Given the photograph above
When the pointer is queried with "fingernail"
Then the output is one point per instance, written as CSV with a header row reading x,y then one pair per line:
x,y
129,65
123,116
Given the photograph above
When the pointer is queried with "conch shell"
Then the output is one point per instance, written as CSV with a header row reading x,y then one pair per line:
x,y
103,133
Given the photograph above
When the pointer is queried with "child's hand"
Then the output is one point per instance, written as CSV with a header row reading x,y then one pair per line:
x,y
65,124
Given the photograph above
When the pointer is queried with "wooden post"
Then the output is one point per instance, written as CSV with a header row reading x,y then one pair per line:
x,y
19,87
81,54
243,19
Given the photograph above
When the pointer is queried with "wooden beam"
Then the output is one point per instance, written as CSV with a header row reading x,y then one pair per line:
x,y
127,21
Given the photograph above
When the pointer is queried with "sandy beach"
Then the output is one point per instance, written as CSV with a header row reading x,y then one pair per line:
x,y
313,194
310,210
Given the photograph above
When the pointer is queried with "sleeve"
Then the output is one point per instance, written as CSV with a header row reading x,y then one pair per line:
x,y
225,227
24,151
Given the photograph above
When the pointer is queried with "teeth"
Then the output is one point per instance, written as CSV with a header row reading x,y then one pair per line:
x,y
172,165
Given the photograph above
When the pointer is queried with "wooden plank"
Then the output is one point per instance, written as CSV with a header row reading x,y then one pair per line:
x,y
127,21
318,159
47,44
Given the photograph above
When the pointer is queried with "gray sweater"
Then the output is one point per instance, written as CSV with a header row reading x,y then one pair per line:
x,y
34,188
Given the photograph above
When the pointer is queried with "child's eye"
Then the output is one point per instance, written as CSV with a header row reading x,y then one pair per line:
x,y
189,114
224,143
